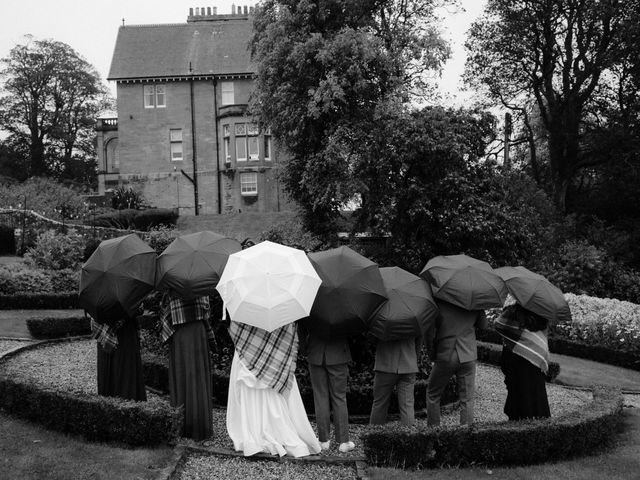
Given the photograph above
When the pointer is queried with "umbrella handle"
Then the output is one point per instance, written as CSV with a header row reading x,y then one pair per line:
x,y
224,316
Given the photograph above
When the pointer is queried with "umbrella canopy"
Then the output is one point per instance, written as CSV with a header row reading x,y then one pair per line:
x,y
268,285
535,293
351,291
192,264
410,310
465,281
116,278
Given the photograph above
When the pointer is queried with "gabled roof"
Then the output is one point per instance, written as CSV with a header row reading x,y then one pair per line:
x,y
161,51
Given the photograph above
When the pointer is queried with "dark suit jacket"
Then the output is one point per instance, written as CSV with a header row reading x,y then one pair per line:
x,y
321,351
399,356
456,331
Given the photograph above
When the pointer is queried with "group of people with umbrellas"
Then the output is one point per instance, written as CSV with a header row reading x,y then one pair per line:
x,y
278,299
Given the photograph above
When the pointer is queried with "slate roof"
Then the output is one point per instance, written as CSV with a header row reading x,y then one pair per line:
x,y
217,47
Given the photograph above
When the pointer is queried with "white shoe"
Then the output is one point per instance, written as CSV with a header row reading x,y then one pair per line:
x,y
325,445
347,447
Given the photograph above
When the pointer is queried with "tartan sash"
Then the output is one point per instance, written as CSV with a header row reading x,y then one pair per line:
x,y
531,346
106,336
176,311
270,356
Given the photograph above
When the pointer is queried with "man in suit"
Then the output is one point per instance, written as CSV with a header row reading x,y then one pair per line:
x,y
328,372
396,365
453,346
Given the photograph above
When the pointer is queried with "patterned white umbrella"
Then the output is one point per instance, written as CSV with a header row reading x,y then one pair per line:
x,y
268,285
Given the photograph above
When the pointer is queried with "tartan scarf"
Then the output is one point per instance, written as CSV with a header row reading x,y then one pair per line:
x,y
531,346
176,311
270,356
106,336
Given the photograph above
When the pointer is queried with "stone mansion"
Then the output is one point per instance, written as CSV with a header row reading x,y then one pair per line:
x,y
182,136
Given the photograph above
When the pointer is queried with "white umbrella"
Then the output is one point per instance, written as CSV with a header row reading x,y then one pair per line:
x,y
268,285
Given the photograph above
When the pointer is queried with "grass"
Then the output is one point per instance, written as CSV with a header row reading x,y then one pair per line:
x,y
28,451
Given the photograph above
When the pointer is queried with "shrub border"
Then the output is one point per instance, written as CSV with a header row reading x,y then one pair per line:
x,y
93,417
577,433
39,301
56,327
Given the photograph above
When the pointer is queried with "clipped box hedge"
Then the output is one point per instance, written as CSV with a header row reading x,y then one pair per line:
x,y
56,327
39,301
525,442
95,418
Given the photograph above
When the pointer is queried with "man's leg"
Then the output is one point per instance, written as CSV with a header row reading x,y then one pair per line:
x,y
338,375
406,384
466,377
320,385
440,375
383,384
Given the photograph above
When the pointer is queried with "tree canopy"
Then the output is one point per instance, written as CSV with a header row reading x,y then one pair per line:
x,y
324,68
50,98
551,57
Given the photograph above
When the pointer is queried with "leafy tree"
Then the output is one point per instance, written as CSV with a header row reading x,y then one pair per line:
x,y
552,55
51,96
324,67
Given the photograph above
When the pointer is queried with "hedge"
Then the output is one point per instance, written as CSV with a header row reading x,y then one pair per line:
x,y
56,327
523,442
39,301
7,240
137,219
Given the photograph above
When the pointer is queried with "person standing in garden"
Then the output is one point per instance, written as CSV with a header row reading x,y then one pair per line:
x,y
452,346
119,365
525,362
396,365
328,372
185,325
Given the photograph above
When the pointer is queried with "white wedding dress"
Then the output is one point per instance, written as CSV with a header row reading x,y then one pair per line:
x,y
259,419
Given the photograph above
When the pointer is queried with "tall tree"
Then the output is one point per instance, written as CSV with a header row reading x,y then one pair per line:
x,y
50,97
324,67
554,53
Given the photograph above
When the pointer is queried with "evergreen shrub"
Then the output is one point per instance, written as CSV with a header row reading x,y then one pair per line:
x,y
525,442
57,327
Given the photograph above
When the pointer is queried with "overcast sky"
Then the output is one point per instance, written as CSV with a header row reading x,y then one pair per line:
x,y
90,27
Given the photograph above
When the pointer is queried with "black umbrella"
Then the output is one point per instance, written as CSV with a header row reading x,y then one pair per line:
x,y
410,310
465,281
535,293
192,264
351,291
116,278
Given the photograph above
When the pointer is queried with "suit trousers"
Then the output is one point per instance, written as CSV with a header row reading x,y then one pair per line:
x,y
466,378
383,383
329,383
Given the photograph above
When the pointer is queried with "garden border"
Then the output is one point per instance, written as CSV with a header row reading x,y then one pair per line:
x,y
91,416
526,442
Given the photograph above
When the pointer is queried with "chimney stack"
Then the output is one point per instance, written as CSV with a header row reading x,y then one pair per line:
x,y
191,12
233,9
246,10
215,10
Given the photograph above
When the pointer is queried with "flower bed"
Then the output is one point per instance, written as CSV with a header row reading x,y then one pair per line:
x,y
602,329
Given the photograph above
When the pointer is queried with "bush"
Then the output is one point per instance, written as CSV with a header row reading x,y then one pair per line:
x,y
56,327
56,251
28,301
100,419
7,240
137,219
127,198
160,237
507,443
17,279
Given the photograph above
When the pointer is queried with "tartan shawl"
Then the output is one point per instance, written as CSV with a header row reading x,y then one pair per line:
x,y
106,336
176,311
270,356
531,346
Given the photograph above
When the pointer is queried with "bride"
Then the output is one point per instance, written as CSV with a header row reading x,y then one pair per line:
x,y
264,410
